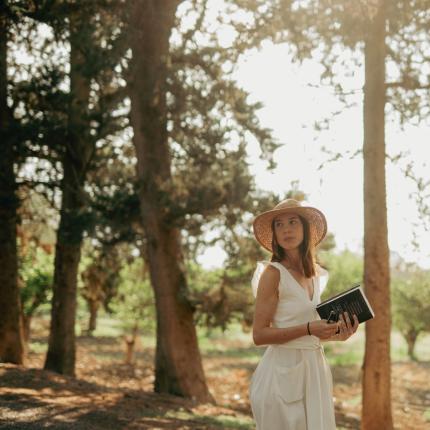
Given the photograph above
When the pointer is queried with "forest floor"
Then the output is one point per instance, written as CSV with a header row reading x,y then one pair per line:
x,y
108,394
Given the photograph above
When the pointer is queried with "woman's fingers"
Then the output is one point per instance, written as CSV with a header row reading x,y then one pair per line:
x,y
349,324
347,321
355,323
333,329
346,327
330,330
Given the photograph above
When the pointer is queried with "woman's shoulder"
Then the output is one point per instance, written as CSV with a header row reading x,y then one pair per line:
x,y
267,276
268,271
271,272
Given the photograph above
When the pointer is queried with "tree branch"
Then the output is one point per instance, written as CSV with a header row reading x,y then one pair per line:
x,y
407,85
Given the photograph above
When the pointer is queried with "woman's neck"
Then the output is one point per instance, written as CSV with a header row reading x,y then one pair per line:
x,y
293,260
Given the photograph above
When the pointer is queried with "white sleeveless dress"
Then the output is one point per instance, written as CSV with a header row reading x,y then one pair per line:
x,y
291,389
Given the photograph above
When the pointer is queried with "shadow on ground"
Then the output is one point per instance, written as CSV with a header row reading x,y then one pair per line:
x,y
36,399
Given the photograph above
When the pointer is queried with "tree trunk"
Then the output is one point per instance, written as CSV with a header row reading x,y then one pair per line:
x,y
61,350
411,338
11,334
178,366
376,411
26,320
93,306
130,342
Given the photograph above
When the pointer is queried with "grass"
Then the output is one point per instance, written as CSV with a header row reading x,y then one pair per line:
x,y
352,351
353,401
108,327
227,422
234,343
222,421
346,353
38,347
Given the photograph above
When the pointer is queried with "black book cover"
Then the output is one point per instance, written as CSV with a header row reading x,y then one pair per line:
x,y
352,301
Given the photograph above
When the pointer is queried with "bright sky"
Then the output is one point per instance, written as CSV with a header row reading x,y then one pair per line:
x,y
291,108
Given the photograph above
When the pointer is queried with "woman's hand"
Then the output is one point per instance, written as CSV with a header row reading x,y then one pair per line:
x,y
321,329
346,328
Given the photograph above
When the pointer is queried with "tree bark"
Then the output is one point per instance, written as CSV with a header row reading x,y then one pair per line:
x,y
178,366
61,350
376,411
11,333
130,342
93,306
26,320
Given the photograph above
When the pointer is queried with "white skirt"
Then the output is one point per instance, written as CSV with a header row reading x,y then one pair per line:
x,y
292,389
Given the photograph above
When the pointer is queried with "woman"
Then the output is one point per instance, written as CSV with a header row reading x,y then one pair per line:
x,y
291,388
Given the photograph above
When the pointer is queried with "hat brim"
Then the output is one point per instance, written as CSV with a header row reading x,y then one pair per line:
x,y
262,225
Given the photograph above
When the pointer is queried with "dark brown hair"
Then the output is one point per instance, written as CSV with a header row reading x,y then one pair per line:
x,y
306,249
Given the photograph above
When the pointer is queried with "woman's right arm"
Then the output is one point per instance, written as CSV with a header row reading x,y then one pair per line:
x,y
265,308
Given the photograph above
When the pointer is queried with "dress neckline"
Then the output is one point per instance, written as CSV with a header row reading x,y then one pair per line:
x,y
311,299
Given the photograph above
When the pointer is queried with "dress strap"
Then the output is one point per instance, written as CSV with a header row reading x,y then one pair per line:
x,y
322,278
261,265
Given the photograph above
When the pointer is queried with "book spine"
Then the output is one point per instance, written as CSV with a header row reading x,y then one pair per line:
x,y
367,301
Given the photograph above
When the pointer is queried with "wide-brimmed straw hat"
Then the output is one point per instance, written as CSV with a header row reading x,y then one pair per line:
x,y
263,223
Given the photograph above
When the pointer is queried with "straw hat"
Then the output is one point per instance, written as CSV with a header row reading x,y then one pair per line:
x,y
263,223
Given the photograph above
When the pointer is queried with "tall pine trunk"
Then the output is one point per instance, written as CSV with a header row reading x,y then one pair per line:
x,y
178,366
62,350
11,333
376,412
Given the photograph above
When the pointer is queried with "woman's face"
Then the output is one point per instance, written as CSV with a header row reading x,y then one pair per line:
x,y
288,230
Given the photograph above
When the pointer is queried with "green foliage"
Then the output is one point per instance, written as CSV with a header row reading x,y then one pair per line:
x,y
36,273
210,121
345,269
100,273
410,296
221,296
134,303
219,422
224,296
51,130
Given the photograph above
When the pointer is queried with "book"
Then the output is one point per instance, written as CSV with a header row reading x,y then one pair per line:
x,y
353,301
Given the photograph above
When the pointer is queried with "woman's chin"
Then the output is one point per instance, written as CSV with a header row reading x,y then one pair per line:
x,y
289,246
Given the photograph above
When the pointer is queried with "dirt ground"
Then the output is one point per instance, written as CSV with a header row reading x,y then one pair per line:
x,y
108,394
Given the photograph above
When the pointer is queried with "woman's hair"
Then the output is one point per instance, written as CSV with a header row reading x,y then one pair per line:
x,y
306,249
